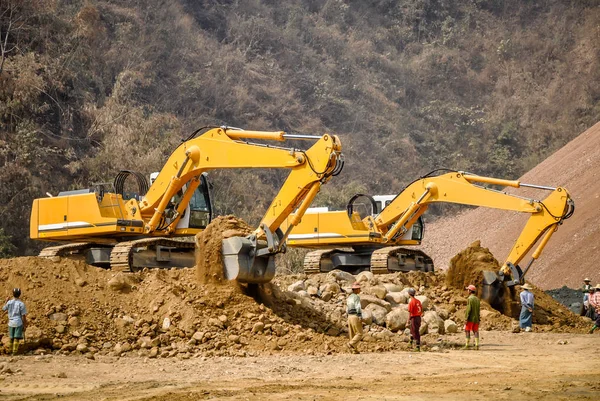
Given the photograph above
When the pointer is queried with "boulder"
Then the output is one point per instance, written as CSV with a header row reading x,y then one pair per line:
x,y
367,317
334,288
450,326
378,312
396,298
365,276
424,301
379,291
391,287
366,300
396,319
326,296
297,286
435,324
339,275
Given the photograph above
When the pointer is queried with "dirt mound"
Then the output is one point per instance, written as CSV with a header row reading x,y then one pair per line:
x,y
467,267
209,260
78,309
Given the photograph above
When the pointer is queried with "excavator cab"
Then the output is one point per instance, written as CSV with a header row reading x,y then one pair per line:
x,y
199,212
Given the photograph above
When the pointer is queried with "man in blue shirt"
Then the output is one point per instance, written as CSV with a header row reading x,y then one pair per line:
x,y
17,320
527,304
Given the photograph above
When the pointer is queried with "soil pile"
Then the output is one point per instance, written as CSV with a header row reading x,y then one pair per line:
x,y
209,260
572,253
469,264
78,309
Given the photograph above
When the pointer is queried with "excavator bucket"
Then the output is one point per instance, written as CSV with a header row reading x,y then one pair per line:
x,y
247,260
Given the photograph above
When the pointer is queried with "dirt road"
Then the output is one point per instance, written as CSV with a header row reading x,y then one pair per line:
x,y
531,366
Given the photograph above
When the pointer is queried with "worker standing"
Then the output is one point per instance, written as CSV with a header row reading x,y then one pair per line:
x,y
527,305
415,311
355,329
595,303
17,320
472,317
586,296
590,311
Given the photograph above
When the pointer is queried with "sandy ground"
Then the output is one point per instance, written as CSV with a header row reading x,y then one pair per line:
x,y
531,366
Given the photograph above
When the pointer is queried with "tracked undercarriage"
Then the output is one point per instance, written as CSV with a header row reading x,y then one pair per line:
x,y
130,256
377,260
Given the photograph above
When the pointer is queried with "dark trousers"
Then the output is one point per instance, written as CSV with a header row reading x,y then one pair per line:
x,y
415,327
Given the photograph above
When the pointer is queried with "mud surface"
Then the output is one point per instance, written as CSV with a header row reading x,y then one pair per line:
x,y
532,366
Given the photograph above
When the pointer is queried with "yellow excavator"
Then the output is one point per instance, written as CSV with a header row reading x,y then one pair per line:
x,y
129,231
374,238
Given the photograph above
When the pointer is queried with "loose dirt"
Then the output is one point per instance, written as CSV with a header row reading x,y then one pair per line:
x,y
532,366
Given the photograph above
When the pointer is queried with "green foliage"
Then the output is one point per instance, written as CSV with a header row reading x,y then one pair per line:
x,y
7,249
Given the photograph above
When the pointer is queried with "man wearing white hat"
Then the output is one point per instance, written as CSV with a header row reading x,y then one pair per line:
x,y
527,304
595,303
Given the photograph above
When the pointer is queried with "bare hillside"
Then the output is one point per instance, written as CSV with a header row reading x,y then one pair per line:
x,y
572,253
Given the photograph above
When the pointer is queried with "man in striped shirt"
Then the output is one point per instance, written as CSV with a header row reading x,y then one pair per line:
x,y
595,303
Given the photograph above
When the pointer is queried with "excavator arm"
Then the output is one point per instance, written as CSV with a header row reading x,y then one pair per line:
x,y
463,188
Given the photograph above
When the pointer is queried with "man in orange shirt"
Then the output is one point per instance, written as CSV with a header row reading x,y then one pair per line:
x,y
415,311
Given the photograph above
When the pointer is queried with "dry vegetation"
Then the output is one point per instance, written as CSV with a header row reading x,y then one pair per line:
x,y
88,88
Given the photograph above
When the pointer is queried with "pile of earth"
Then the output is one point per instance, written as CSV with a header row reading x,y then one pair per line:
x,y
78,309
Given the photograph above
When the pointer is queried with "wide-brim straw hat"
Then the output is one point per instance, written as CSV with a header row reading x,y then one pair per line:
x,y
526,286
586,279
356,286
597,286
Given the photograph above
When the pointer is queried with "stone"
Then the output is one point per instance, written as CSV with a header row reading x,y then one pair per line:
x,y
312,291
396,298
83,348
258,327
365,300
73,321
339,275
364,276
391,287
435,324
119,283
326,296
334,288
297,286
378,312
80,282
234,338
59,317
60,329
166,323
396,320
450,326
367,317
198,336
379,291
424,301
